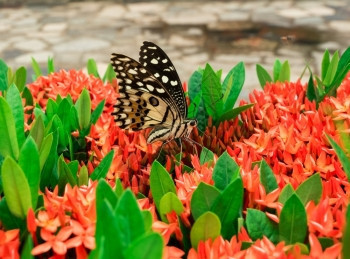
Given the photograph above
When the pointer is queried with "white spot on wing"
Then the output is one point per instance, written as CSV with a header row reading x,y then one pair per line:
x,y
165,60
150,87
139,83
154,61
128,81
131,71
165,79
152,47
156,75
142,70
160,90
173,83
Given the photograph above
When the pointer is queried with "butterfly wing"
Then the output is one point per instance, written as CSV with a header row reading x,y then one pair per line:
x,y
143,101
154,59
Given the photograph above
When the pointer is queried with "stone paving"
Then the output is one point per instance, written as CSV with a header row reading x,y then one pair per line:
x,y
191,33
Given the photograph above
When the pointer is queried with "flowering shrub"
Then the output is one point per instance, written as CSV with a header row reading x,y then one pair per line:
x,y
271,183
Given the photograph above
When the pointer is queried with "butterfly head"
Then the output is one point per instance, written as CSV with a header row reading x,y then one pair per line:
x,y
190,124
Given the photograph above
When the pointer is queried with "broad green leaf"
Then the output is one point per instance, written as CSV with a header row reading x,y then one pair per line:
x,y
8,143
325,64
83,106
36,68
16,188
44,150
118,188
64,176
225,171
21,77
28,97
49,174
27,248
284,72
3,75
63,113
14,100
62,136
194,106
50,65
203,199
263,75
259,225
97,112
195,84
206,156
146,247
211,92
73,167
232,85
109,75
346,235
160,182
310,189
206,226
285,194
105,192
92,68
8,220
74,121
102,169
332,69
37,131
83,176
231,114
129,219
311,92
147,219
51,108
276,70
228,207
343,68
293,221
30,164
169,203
341,155
267,177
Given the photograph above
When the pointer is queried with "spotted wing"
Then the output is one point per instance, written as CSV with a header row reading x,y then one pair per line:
x,y
143,101
154,59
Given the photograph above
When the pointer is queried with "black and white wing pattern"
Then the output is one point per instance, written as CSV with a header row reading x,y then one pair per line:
x,y
154,59
143,100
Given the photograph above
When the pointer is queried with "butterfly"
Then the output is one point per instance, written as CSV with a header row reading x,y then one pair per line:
x,y
151,95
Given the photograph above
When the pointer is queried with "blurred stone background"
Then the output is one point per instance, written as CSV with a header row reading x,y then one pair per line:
x,y
192,33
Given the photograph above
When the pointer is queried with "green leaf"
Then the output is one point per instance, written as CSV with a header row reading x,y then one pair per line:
x,y
341,155
16,188
325,64
284,72
105,192
259,225
8,143
27,248
27,95
267,177
36,68
83,106
109,75
232,85
160,182
206,226
195,85
231,114
276,70
228,206
194,106
332,69
203,199
3,75
310,189
92,68
62,136
49,174
211,92
50,65
328,242
14,100
342,70
263,75
63,113
37,131
21,77
146,247
64,176
293,221
346,235
225,170
285,194
311,92
102,169
83,176
44,150
30,164
51,108
118,188
169,203
206,156
8,220
73,167
97,112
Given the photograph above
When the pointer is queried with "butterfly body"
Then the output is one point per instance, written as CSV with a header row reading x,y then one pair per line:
x,y
151,95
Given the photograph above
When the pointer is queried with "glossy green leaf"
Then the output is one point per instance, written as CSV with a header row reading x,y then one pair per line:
x,y
341,155
285,194
28,97
225,170
276,70
102,169
83,106
37,131
74,121
311,90
284,72
343,68
73,167
49,174
263,75
325,64
232,85
228,206
16,188
206,156
3,75
203,199
332,69
50,65
206,226
293,221
83,176
51,108
310,189
259,225
8,220
36,68
109,75
160,182
146,247
62,136
97,112
63,113
267,177
211,92
30,164
26,252
105,192
194,106
45,149
14,100
195,84
64,176
169,203
147,219
21,77
346,235
92,68
8,143
118,188
231,114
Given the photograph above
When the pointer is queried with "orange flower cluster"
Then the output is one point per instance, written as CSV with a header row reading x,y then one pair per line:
x,y
9,244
